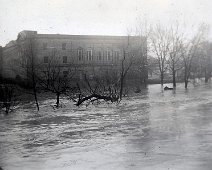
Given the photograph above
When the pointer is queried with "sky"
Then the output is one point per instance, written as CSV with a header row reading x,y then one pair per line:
x,y
96,17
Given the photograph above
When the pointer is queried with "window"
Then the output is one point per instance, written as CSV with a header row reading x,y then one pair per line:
x,y
116,55
63,46
44,46
65,73
104,57
89,55
65,58
99,55
46,59
19,54
108,54
126,54
80,54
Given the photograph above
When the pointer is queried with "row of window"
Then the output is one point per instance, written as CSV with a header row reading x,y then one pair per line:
x,y
99,58
89,52
45,46
46,59
89,58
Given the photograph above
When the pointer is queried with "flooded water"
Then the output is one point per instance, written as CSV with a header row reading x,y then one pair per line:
x,y
154,130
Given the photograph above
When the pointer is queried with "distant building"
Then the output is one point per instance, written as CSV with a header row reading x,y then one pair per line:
x,y
90,54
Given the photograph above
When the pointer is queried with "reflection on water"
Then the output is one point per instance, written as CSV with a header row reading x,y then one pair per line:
x,y
155,129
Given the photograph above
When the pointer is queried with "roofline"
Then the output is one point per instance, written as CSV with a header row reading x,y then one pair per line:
x,y
66,36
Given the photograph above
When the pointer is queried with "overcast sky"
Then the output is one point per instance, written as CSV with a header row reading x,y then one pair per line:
x,y
108,17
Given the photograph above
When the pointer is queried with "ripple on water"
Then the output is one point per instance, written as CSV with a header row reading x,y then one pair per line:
x,y
145,128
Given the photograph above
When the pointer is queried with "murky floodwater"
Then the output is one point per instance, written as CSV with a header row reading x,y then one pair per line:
x,y
151,131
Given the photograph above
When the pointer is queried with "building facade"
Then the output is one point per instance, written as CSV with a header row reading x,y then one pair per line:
x,y
88,54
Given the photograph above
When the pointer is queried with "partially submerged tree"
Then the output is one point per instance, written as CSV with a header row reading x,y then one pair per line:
x,y
28,52
143,30
175,51
160,42
126,63
203,62
100,88
190,51
109,86
54,78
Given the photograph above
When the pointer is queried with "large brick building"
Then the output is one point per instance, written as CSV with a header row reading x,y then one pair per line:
x,y
90,54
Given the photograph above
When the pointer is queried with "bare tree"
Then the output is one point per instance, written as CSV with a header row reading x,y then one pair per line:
x,y
191,51
160,42
109,86
100,88
126,63
30,67
207,62
203,61
175,59
143,30
54,78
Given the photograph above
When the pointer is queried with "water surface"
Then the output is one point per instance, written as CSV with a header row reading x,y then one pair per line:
x,y
152,130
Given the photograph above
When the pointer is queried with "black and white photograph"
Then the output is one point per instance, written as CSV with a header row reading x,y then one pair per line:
x,y
105,85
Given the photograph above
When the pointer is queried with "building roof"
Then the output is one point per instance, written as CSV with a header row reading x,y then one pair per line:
x,y
29,33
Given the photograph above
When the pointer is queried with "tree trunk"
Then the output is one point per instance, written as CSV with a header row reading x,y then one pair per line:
x,y
7,107
185,76
206,76
161,79
186,80
96,96
186,84
174,79
121,87
36,99
145,83
58,100
34,89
